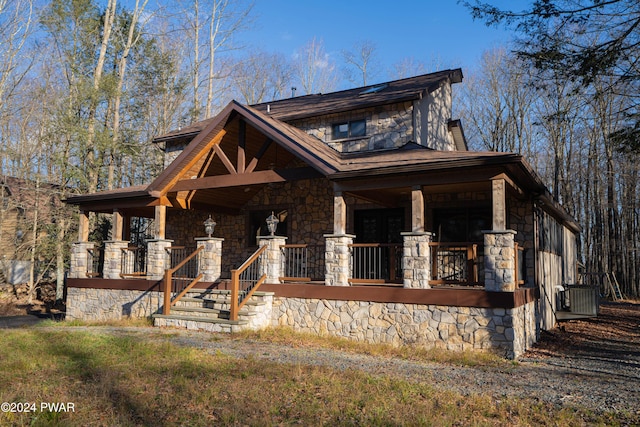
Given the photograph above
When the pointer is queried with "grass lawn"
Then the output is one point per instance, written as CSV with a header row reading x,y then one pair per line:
x,y
123,380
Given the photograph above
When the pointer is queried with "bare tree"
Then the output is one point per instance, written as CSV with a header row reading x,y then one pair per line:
x,y
261,76
314,69
362,65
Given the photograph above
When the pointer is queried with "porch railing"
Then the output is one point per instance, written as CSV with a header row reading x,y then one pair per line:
x,y
376,263
245,280
302,262
455,263
133,261
179,279
178,253
95,262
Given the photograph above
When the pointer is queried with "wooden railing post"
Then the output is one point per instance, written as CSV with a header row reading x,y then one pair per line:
x,y
235,290
166,308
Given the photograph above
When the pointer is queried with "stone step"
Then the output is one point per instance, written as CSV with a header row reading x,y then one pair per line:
x,y
218,303
209,312
199,323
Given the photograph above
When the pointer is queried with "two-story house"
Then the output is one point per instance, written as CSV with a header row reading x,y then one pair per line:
x,y
358,213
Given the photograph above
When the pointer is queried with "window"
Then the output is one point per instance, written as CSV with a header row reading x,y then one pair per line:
x,y
350,129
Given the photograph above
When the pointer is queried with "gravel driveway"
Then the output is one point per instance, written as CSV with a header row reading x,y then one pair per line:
x,y
593,363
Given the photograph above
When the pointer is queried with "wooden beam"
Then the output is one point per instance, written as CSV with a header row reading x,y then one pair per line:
x,y
83,227
194,159
417,209
117,225
253,178
160,221
254,162
509,181
339,214
242,138
225,160
499,206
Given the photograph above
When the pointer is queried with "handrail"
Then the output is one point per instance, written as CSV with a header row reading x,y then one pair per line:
x,y
168,273
236,302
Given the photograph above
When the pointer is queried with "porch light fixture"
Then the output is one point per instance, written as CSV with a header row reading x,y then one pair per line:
x,y
209,226
272,223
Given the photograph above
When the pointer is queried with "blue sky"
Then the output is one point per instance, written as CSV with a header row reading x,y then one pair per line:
x,y
439,32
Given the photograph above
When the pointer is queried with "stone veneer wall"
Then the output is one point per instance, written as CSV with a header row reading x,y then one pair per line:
x,y
507,332
110,304
388,126
310,215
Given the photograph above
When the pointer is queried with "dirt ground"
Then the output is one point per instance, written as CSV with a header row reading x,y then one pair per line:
x,y
614,334
14,301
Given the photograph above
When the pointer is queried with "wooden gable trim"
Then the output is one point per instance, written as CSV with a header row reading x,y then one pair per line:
x,y
184,169
244,179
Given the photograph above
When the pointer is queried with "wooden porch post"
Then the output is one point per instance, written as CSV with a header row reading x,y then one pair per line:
x,y
339,214
117,225
499,204
160,220
417,209
83,228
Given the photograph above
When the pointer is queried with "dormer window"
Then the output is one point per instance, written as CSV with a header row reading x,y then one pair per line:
x,y
350,129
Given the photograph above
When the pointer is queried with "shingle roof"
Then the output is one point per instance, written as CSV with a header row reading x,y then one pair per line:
x,y
319,104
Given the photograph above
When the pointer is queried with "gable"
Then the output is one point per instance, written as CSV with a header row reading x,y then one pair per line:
x,y
236,154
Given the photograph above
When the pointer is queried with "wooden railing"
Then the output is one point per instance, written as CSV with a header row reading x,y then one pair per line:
x,y
376,263
245,280
180,279
133,261
95,262
454,263
302,263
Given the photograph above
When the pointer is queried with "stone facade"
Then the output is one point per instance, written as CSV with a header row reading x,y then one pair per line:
x,y
499,261
309,206
80,259
337,259
210,258
508,332
416,260
157,258
389,126
111,304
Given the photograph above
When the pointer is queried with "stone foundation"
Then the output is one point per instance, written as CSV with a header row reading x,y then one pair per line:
x,y
507,332
111,304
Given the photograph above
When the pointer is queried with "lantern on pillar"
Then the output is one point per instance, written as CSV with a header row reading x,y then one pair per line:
x,y
272,223
209,226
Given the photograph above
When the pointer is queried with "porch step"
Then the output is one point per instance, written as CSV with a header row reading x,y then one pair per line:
x,y
209,310
199,323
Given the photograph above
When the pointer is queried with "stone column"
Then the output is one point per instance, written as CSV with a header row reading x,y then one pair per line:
x,y
416,260
113,258
272,258
337,259
80,259
499,260
210,257
158,259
